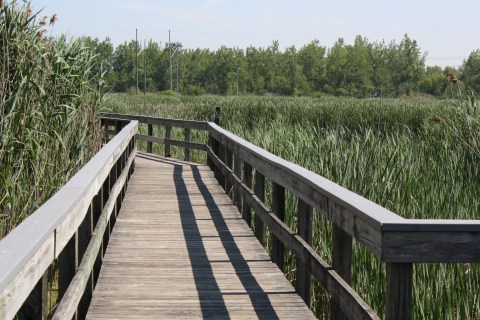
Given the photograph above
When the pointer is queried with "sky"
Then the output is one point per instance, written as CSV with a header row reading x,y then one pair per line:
x,y
448,30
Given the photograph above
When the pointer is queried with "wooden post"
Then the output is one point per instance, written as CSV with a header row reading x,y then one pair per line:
x,y
221,155
399,291
305,231
238,172
168,132
188,152
278,208
260,193
85,235
36,305
229,163
247,179
342,264
67,265
118,126
217,116
211,140
211,145
149,133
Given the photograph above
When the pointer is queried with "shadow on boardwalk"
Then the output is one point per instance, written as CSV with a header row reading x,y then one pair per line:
x,y
211,299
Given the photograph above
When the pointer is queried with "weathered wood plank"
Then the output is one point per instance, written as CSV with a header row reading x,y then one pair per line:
x,y
206,256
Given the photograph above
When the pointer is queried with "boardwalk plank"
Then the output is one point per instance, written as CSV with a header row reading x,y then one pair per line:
x,y
180,250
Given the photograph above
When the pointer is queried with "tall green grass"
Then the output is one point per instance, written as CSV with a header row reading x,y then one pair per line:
x,y
49,125
418,157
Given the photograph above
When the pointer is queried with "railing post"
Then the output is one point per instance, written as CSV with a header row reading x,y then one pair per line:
x,y
399,291
36,305
247,179
67,265
278,208
118,126
211,145
237,168
85,235
342,264
217,116
221,156
149,133
188,152
229,164
168,131
305,231
260,193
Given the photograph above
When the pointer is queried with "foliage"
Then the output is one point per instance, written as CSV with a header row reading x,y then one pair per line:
x,y
49,126
361,69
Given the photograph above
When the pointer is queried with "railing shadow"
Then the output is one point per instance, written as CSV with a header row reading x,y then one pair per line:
x,y
211,297
259,298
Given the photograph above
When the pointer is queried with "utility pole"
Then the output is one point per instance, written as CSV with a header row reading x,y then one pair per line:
x,y
177,70
136,58
238,71
171,70
145,67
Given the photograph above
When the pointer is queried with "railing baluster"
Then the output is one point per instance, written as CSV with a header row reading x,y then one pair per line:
x,y
149,133
229,163
36,305
278,208
342,257
168,132
221,155
67,265
399,291
260,193
247,179
188,152
305,230
238,172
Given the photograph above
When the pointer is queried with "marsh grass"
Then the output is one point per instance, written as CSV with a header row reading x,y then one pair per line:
x,y
49,123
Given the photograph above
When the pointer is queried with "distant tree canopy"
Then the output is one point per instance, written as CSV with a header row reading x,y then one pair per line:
x,y
363,69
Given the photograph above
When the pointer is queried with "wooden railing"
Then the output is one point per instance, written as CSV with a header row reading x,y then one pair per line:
x,y
243,169
67,236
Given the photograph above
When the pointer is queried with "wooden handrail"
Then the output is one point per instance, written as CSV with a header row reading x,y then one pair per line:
x,y
394,240
30,248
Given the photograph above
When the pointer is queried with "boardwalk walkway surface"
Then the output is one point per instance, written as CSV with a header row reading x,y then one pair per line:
x,y
180,249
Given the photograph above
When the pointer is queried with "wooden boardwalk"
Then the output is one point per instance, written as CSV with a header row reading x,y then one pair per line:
x,y
180,249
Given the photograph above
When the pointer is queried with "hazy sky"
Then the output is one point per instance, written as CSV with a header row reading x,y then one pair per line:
x,y
448,30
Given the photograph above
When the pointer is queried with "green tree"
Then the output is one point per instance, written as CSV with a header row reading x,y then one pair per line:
x,y
311,59
434,81
407,66
471,71
336,68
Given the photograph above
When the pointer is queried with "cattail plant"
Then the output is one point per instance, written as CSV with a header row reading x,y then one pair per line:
x,y
49,124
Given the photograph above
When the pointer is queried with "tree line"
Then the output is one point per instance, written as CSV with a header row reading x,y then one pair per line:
x,y
362,69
